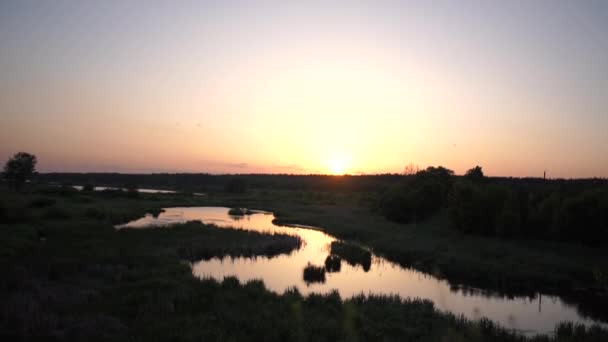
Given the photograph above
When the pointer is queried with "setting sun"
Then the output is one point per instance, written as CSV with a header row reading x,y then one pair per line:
x,y
338,164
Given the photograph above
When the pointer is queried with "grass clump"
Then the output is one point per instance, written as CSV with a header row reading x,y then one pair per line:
x,y
333,263
314,274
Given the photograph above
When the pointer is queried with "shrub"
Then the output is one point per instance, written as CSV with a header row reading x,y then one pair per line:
x,y
88,188
333,263
474,208
417,197
314,274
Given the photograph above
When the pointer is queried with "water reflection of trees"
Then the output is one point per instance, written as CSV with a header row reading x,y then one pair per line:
x,y
590,306
353,254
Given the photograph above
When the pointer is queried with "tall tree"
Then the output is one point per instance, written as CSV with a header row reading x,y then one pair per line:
x,y
475,174
19,168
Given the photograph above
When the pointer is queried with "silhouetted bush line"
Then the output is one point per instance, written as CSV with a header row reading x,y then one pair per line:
x,y
551,214
574,211
229,183
419,196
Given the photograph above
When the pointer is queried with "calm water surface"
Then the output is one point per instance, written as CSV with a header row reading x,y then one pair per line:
x,y
146,191
527,315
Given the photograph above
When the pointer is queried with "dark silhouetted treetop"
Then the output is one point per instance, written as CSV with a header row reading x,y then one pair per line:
x,y
475,174
19,168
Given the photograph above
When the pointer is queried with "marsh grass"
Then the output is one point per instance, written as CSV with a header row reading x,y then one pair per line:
x,y
88,281
238,243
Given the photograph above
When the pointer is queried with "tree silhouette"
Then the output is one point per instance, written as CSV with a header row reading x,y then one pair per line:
x,y
19,168
475,174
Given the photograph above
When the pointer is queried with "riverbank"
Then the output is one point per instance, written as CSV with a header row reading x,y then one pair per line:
x,y
509,266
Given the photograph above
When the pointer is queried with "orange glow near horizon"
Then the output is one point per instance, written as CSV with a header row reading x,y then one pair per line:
x,y
339,164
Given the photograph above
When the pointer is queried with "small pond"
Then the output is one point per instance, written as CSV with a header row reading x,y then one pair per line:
x,y
527,315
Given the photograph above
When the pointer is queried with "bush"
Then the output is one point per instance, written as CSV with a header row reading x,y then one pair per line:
x,y
475,208
419,197
507,212
314,274
333,263
475,174
88,188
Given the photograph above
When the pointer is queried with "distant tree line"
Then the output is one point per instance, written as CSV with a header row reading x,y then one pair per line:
x,y
565,210
561,210
236,183
554,212
418,196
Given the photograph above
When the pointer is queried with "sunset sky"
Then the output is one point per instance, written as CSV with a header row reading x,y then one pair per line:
x,y
517,87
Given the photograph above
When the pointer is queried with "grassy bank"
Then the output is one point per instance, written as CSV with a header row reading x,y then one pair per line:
x,y
69,275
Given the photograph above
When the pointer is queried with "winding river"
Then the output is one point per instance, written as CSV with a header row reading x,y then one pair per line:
x,y
527,315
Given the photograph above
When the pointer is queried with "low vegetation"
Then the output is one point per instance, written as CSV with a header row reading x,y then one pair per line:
x,y
239,212
333,263
314,274
548,213
72,276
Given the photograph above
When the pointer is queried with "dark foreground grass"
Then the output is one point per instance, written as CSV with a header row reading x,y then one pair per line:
x,y
76,278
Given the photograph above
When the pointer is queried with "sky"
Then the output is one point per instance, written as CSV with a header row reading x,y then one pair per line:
x,y
518,87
